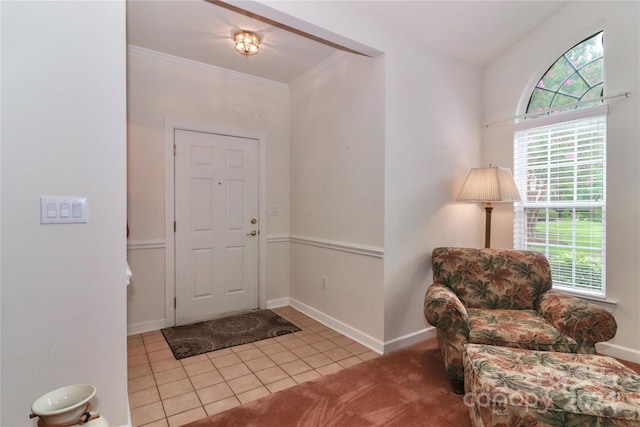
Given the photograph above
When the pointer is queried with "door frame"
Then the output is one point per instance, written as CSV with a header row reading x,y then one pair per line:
x,y
171,125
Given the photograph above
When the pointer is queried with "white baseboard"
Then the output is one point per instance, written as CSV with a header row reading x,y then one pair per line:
x,y
276,303
619,352
142,327
409,339
339,326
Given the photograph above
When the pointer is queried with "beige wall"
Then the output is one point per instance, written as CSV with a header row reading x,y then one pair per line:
x,y
63,134
337,190
508,82
432,108
160,88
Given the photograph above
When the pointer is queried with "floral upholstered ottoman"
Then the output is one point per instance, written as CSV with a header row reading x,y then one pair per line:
x,y
515,387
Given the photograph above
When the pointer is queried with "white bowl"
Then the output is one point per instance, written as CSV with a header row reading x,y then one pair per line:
x,y
63,405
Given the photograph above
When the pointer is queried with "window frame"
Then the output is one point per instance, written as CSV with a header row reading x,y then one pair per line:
x,y
555,116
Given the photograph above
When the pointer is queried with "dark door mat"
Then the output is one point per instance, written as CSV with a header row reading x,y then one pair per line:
x,y
203,337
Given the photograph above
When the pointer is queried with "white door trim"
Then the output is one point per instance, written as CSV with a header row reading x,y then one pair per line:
x,y
170,274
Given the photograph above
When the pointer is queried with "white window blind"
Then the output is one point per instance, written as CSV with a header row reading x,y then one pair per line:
x,y
560,170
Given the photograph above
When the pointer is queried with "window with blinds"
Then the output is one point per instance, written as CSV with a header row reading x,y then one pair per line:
x,y
560,170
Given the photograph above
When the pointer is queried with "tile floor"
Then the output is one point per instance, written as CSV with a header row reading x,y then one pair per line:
x,y
165,392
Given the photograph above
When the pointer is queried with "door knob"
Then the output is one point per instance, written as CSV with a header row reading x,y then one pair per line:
x,y
253,233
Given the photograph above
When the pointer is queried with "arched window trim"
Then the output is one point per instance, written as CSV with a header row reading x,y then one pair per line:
x,y
575,70
549,56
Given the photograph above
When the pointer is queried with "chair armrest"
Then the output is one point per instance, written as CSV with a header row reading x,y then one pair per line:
x,y
444,310
584,322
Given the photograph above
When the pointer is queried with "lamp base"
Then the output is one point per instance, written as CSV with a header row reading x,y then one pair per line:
x,y
487,226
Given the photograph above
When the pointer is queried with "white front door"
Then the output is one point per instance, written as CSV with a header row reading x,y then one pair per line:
x,y
216,230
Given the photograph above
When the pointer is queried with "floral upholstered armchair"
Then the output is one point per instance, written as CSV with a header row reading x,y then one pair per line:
x,y
504,298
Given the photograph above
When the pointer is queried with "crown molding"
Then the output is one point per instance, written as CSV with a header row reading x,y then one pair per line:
x,y
143,52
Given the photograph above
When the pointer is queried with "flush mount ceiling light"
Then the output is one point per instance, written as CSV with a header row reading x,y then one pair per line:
x,y
247,42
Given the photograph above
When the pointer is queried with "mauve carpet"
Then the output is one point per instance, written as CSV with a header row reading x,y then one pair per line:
x,y
404,388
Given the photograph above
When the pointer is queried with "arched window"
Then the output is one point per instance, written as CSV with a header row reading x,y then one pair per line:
x,y
576,76
560,169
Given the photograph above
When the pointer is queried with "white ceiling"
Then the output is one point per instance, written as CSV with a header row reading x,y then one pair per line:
x,y
473,31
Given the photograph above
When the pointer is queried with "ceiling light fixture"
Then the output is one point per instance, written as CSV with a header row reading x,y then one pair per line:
x,y
247,42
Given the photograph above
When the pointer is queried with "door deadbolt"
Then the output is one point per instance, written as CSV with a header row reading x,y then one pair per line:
x,y
253,220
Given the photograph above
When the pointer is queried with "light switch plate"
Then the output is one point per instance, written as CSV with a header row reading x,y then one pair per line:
x,y
63,210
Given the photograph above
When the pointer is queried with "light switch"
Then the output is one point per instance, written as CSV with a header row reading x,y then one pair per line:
x,y
63,210
52,210
77,210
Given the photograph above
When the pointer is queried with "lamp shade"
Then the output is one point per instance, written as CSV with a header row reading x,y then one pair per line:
x,y
492,184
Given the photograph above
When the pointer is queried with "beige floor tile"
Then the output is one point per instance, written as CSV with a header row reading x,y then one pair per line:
x,y
214,393
329,333
156,346
317,360
160,423
324,345
368,355
187,417
243,347
140,383
181,403
272,347
302,352
136,351
318,328
199,368
356,348
244,383
306,376
217,353
165,364
251,395
260,364
164,392
175,388
271,375
341,340
295,367
350,361
160,355
250,354
281,385
137,360
146,414
293,343
138,371
337,354
234,371
151,337
170,375
310,339
264,342
283,338
194,359
143,397
206,379
225,360
283,357
134,341
329,369
221,405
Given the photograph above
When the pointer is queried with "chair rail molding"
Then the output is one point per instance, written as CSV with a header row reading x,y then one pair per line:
x,y
135,245
355,248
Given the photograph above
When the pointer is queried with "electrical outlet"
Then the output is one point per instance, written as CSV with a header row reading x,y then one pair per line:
x,y
325,282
